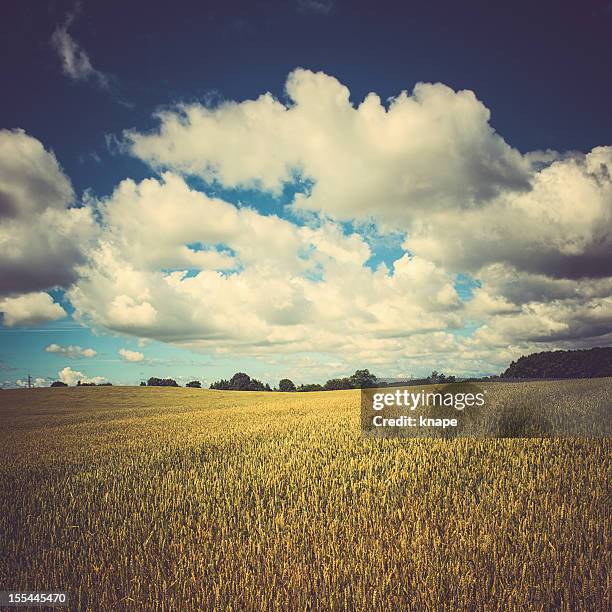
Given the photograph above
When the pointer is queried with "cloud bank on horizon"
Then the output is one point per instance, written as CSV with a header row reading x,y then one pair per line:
x,y
165,259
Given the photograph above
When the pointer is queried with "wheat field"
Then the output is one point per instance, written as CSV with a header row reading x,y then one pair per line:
x,y
188,499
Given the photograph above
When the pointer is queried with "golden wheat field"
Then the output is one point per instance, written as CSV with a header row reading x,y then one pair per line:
x,y
188,499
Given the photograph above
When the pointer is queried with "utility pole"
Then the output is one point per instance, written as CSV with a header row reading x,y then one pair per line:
x,y
29,381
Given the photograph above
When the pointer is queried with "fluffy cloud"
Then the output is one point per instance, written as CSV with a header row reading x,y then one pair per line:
x,y
36,382
133,356
427,151
534,229
561,227
71,377
578,321
429,163
30,177
289,288
168,262
71,351
41,237
30,309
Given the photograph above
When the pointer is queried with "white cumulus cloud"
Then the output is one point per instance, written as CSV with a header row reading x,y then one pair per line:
x,y
133,356
42,237
535,230
291,288
72,351
166,261
71,377
425,151
561,227
35,382
30,309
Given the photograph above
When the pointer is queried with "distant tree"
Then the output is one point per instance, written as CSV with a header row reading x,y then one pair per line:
x,y
256,385
267,388
362,379
162,382
106,384
78,383
143,383
221,385
336,384
439,377
310,387
240,382
286,385
195,384
58,383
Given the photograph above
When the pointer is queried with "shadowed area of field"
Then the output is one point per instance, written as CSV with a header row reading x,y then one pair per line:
x,y
186,499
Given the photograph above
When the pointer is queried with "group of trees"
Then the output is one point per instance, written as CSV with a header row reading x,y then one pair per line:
x,y
310,387
439,377
286,385
169,382
240,382
243,382
59,383
160,382
586,363
93,384
361,379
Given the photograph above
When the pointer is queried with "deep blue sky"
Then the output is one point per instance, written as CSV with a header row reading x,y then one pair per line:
x,y
543,68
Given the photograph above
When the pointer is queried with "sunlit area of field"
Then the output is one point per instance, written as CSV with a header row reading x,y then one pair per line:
x,y
183,499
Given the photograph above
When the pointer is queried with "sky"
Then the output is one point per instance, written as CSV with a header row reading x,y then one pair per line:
x,y
301,188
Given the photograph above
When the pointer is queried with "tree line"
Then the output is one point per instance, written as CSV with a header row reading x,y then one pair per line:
x,y
243,382
584,363
61,383
361,379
